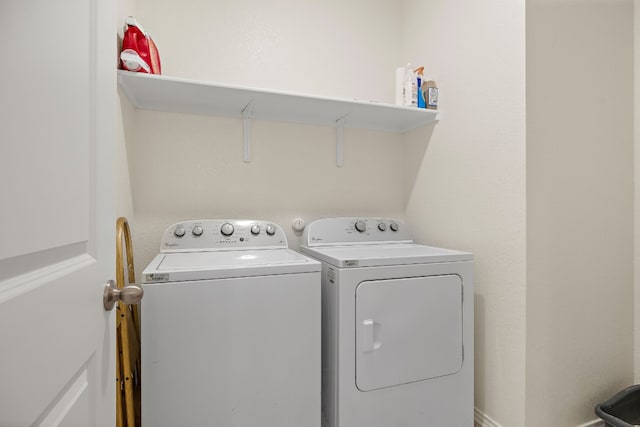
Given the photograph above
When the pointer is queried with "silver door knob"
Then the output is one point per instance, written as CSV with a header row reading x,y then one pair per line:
x,y
131,294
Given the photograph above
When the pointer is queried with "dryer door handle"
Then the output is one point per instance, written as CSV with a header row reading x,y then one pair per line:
x,y
370,336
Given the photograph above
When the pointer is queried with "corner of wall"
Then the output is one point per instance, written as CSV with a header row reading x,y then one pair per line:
x,y
636,200
465,179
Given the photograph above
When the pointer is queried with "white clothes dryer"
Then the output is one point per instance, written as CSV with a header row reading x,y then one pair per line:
x,y
230,327
397,336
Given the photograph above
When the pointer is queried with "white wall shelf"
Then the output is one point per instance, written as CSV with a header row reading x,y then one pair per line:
x,y
162,93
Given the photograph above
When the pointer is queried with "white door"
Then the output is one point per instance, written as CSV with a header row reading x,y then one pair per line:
x,y
57,105
408,330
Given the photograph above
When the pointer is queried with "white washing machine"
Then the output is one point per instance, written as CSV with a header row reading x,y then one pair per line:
x,y
397,326
230,326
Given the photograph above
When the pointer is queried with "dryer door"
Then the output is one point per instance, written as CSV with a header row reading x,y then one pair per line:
x,y
407,330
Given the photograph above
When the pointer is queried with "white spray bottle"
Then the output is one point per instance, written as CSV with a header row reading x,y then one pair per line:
x,y
410,88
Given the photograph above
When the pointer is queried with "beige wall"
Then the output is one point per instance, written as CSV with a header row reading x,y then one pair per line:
x,y
123,164
466,184
348,49
189,167
579,207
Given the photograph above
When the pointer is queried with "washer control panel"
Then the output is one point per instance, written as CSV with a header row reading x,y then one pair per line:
x,y
222,234
344,231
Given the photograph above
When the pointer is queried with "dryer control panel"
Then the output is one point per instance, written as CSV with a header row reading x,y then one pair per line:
x,y
222,234
345,231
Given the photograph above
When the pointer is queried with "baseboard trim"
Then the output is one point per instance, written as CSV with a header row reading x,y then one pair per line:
x,y
594,423
480,419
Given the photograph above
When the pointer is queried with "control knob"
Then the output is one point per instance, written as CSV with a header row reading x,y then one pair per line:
x,y
226,229
361,226
197,231
255,230
271,230
179,231
382,226
394,226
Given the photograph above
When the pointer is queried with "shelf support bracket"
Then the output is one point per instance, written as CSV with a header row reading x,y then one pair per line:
x,y
246,131
340,141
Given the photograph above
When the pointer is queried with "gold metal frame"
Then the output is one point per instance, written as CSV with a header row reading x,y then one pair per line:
x,y
127,336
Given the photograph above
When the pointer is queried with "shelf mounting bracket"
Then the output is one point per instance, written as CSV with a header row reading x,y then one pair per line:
x,y
246,131
340,141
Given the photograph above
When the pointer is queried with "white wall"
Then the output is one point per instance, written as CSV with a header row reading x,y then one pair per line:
x,y
123,165
348,49
190,167
466,183
579,207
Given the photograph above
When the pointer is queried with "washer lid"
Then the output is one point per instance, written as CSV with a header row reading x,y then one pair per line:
x,y
178,267
384,254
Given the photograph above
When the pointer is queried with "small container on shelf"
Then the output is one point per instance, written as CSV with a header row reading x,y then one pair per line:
x,y
430,94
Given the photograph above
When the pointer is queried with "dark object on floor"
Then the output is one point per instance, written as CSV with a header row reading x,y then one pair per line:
x,y
623,409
